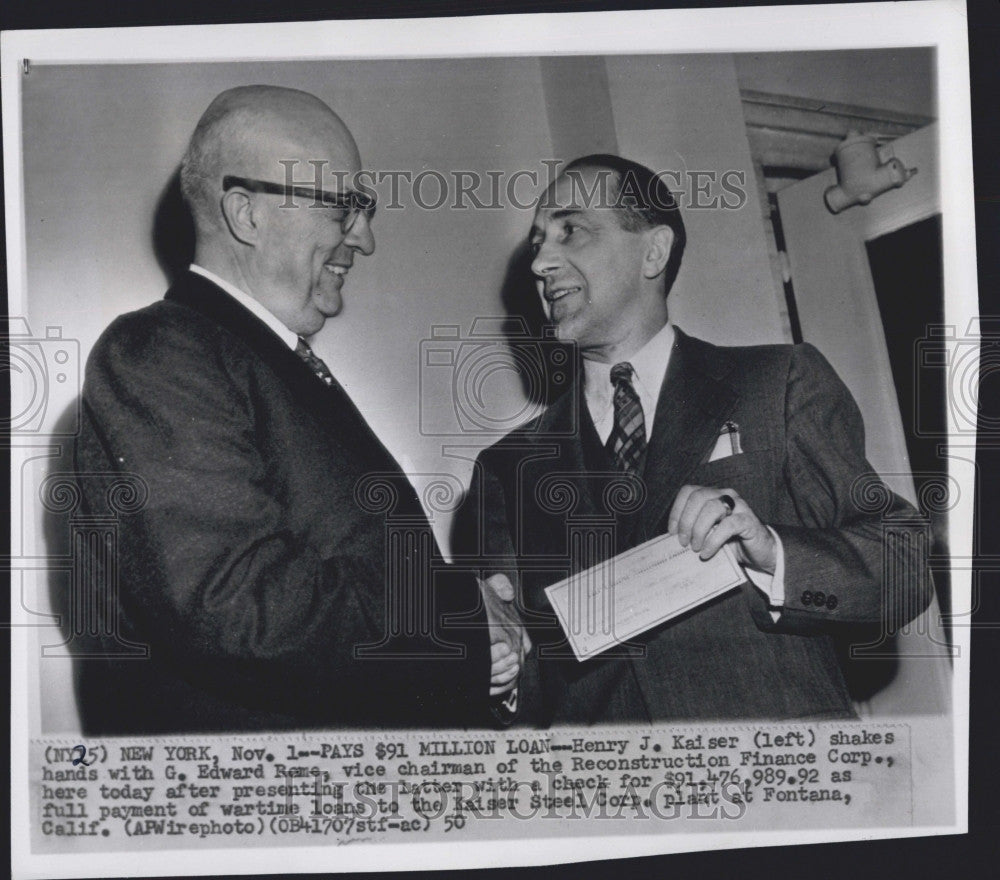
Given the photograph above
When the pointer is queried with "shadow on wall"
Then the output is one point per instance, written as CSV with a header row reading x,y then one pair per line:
x,y
518,293
60,502
546,367
81,547
173,230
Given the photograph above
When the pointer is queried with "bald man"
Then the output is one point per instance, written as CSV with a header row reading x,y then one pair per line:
x,y
261,577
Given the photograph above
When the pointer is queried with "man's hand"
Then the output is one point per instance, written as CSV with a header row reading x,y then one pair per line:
x,y
509,642
702,518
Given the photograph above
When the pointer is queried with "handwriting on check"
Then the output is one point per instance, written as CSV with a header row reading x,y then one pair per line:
x,y
633,592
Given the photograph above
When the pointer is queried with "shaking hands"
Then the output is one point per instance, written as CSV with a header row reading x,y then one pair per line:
x,y
509,642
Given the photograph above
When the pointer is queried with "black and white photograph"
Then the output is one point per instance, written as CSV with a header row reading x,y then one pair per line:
x,y
476,440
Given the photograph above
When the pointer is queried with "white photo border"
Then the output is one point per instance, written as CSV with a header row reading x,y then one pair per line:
x,y
936,23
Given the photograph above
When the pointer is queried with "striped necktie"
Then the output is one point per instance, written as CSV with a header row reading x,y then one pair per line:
x,y
314,363
627,443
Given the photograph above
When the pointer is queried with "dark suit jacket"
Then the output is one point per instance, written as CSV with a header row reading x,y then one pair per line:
x,y
802,470
278,535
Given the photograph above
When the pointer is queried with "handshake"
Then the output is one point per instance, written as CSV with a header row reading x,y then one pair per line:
x,y
509,642
702,520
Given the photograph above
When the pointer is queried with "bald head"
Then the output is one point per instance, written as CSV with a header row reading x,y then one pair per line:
x,y
291,252
248,132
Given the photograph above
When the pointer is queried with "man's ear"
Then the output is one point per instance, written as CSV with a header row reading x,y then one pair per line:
x,y
660,239
241,216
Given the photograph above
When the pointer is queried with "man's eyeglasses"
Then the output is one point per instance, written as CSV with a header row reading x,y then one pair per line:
x,y
352,202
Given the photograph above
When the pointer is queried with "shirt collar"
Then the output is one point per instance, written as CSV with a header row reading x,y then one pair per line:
x,y
287,336
649,364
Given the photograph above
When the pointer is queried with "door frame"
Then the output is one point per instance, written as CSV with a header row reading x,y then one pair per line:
x,y
835,294
839,313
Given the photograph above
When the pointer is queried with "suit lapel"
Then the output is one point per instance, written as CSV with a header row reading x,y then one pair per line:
x,y
693,405
331,404
563,425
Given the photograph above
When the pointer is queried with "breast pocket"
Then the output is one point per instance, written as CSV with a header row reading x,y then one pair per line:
x,y
749,473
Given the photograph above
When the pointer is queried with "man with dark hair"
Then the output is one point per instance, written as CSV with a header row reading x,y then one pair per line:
x,y
760,448
641,199
266,573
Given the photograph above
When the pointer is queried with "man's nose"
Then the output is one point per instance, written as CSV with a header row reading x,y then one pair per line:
x,y
545,260
360,236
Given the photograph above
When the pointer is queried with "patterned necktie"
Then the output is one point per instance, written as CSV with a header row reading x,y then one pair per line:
x,y
627,443
314,363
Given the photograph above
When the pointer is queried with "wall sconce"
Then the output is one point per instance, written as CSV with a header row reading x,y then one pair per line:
x,y
860,174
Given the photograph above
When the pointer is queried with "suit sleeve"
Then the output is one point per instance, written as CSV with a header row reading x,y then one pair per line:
x,y
481,531
854,555
211,573
484,538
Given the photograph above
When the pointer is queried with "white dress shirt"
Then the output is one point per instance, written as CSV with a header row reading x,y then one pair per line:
x,y
649,366
649,369
290,338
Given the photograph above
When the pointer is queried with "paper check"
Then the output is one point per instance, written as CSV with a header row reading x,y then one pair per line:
x,y
628,594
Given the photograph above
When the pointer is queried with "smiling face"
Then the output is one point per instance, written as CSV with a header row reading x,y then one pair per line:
x,y
288,251
302,256
593,276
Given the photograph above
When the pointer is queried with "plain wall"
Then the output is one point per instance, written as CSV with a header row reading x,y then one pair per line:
x,y
684,112
101,144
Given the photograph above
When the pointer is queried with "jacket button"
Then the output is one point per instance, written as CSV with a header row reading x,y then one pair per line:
x,y
807,597
819,598
831,601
